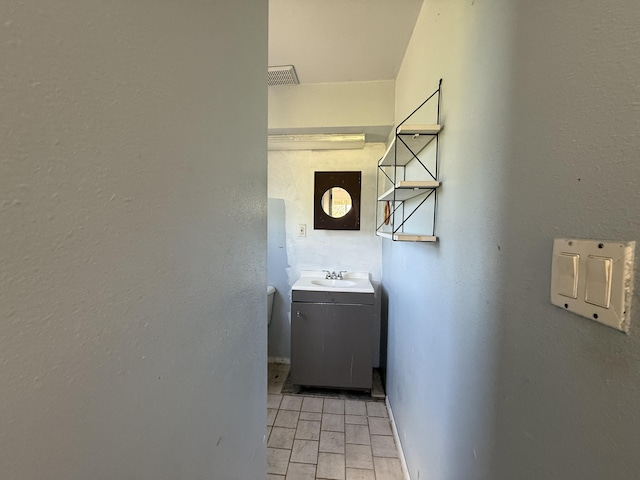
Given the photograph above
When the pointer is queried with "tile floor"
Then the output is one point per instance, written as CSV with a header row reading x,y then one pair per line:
x,y
311,437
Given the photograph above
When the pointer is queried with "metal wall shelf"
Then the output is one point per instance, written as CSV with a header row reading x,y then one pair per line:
x,y
408,237
407,147
406,189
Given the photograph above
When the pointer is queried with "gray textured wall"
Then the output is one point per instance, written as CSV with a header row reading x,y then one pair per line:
x,y
132,253
488,380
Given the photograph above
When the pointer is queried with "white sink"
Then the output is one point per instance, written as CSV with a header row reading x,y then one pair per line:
x,y
334,283
316,281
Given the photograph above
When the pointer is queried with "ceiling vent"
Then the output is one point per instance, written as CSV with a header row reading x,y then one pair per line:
x,y
283,75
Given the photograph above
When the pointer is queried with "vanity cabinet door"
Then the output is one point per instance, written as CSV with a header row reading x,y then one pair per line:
x,y
331,345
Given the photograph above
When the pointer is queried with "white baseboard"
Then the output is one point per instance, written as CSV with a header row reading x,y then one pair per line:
x,y
280,360
396,437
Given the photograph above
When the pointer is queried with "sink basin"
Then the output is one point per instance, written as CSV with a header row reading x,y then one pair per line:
x,y
316,281
334,283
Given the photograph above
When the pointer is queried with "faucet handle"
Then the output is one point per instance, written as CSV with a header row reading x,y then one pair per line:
x,y
340,274
328,274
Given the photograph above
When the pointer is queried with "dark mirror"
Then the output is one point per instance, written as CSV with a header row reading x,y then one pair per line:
x,y
337,201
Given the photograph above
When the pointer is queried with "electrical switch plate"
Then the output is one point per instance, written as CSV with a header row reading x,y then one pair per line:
x,y
302,230
594,279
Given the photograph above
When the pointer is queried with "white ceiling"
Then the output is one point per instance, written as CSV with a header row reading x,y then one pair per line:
x,y
341,40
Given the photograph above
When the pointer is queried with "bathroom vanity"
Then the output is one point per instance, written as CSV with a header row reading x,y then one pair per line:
x,y
332,322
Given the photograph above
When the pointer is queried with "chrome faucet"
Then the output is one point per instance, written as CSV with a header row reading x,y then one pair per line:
x,y
334,275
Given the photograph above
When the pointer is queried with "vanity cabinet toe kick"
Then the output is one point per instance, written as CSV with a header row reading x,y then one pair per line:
x,y
331,339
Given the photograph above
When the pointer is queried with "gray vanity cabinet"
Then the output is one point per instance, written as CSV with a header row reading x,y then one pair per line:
x,y
331,339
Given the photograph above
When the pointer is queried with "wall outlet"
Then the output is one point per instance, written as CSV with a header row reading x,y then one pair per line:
x,y
302,230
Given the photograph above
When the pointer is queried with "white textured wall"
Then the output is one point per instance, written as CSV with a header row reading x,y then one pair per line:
x,y
291,177
488,380
132,247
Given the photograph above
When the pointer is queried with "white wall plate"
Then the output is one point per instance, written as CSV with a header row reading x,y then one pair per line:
x,y
594,278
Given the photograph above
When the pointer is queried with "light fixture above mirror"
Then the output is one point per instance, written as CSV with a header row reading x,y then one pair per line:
x,y
316,141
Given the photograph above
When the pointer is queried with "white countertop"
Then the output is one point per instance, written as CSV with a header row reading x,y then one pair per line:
x,y
355,282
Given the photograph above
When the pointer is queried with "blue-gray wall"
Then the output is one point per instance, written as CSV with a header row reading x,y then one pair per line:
x,y
133,240
486,379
